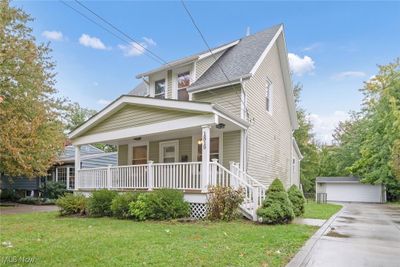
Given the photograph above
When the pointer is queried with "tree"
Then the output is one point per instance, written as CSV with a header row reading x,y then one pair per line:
x,y
31,132
307,145
76,115
379,150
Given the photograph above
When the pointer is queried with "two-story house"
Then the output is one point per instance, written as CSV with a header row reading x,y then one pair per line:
x,y
220,117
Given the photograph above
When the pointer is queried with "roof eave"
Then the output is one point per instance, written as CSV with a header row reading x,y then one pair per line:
x,y
207,87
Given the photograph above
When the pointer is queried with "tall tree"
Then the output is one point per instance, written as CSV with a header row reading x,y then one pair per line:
x,y
307,145
379,161
76,115
31,132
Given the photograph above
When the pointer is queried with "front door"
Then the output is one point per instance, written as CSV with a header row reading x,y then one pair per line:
x,y
169,151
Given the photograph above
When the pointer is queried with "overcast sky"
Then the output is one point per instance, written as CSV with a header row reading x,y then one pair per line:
x,y
333,47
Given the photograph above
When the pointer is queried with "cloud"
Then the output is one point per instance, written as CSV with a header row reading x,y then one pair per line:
x,y
53,35
93,42
299,65
325,124
137,49
348,74
103,102
313,46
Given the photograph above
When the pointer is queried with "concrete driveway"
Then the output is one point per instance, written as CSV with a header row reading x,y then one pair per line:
x,y
22,208
360,235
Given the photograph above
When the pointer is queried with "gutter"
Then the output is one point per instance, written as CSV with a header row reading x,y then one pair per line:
x,y
200,88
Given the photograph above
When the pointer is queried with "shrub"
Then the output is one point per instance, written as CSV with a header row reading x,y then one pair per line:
x,y
8,194
139,209
100,203
224,202
53,190
276,208
29,200
72,204
297,200
120,205
163,204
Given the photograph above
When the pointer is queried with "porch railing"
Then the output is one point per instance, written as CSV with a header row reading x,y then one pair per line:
x,y
179,175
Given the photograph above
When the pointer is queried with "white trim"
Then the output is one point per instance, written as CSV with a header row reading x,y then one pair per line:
x,y
161,145
164,126
202,88
130,153
267,49
269,92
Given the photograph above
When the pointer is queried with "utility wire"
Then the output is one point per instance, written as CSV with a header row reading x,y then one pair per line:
x,y
210,50
151,55
121,32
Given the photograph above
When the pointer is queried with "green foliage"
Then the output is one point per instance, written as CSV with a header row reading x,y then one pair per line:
x,y
139,209
37,201
8,194
31,130
297,200
120,205
163,204
76,115
223,203
100,203
72,204
53,190
307,145
276,208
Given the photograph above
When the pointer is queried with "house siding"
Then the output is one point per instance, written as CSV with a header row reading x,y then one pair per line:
x,y
133,116
227,97
231,147
204,64
169,84
296,169
101,161
122,155
269,136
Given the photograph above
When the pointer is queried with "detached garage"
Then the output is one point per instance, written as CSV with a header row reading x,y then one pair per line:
x,y
349,189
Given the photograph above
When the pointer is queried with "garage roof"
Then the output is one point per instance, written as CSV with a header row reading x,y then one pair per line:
x,y
338,179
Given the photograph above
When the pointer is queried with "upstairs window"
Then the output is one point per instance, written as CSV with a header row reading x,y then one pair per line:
x,y
183,84
159,89
268,96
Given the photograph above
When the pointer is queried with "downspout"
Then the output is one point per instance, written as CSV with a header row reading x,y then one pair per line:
x,y
245,117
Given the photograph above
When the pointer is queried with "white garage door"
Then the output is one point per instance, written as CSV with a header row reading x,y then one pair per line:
x,y
353,192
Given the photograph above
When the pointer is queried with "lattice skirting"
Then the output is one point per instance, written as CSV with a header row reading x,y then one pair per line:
x,y
198,210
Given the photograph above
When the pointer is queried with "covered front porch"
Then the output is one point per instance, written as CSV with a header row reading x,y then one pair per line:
x,y
162,144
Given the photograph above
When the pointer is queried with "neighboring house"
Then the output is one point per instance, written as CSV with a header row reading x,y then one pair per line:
x,y
222,117
349,189
62,171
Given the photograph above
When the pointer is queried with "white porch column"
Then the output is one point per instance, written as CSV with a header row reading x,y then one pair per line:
x,y
67,185
77,165
205,155
150,177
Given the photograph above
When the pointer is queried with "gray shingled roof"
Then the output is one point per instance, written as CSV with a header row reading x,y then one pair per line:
x,y
139,90
238,60
337,179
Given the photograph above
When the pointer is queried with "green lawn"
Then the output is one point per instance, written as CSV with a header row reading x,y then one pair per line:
x,y
58,241
320,211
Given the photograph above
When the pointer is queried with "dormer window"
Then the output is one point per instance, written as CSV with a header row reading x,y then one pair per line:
x,y
183,84
159,89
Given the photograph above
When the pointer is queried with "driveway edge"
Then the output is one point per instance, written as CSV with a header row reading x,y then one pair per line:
x,y
301,258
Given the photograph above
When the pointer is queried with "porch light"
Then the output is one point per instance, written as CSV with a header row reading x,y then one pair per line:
x,y
137,138
220,126
200,142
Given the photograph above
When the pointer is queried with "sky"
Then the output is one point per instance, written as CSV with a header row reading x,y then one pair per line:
x,y
333,46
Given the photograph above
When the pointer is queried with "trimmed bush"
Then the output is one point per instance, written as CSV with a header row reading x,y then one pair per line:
x,y
224,202
297,200
72,204
100,203
120,205
163,204
53,190
276,207
36,201
8,195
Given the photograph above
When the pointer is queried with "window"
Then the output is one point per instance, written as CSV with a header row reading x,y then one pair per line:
x,y
159,89
139,155
169,151
214,148
268,96
183,84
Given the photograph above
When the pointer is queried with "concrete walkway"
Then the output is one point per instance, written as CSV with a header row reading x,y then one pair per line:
x,y
22,208
359,235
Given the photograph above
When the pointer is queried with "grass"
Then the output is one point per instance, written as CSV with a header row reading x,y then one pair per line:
x,y
315,210
70,241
